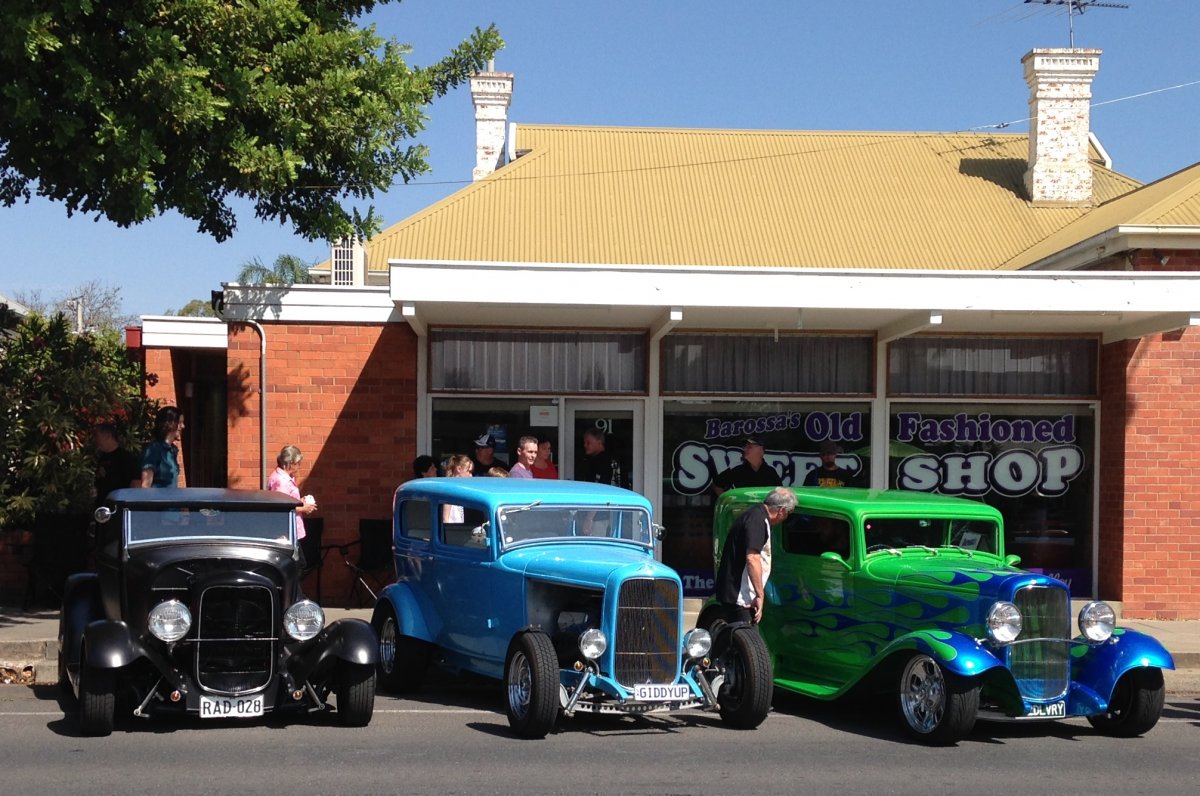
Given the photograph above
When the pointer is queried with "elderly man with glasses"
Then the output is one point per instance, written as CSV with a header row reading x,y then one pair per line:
x,y
746,557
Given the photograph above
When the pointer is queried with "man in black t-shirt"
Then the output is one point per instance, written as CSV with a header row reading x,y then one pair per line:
x,y
746,557
116,468
598,465
829,474
753,471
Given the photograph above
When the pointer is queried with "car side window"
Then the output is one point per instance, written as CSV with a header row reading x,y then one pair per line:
x,y
469,532
417,522
812,535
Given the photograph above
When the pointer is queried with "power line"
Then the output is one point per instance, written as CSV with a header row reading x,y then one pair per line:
x,y
1003,125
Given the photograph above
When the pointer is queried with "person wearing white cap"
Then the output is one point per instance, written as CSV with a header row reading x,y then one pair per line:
x,y
485,455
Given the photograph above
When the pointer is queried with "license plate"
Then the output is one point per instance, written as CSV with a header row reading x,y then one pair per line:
x,y
1051,710
662,693
230,708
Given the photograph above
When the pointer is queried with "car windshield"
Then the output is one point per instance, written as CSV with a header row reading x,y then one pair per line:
x,y
177,524
893,533
526,523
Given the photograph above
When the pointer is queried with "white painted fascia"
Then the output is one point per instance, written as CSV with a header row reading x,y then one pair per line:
x,y
858,290
310,303
173,331
1116,240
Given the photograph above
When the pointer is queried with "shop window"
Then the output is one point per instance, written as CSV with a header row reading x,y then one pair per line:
x,y
767,364
505,361
993,366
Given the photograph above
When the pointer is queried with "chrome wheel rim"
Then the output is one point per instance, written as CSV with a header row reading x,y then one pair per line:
x,y
923,694
520,684
387,646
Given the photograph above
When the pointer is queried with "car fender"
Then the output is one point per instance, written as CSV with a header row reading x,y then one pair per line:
x,y
957,653
1100,666
81,606
412,619
110,645
349,640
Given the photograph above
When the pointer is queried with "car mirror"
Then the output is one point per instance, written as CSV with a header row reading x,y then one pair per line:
x,y
103,514
834,557
658,531
1012,561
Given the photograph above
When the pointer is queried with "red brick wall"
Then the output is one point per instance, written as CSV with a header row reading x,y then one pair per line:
x,y
346,395
1149,481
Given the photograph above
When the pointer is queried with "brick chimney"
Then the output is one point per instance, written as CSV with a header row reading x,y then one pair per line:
x,y
491,92
1060,94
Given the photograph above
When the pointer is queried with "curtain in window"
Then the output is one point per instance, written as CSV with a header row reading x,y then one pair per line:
x,y
993,366
495,360
762,365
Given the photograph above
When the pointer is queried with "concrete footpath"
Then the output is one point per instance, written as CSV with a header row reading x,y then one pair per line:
x,y
29,644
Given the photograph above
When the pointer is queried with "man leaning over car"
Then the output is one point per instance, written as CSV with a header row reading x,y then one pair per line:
x,y
746,557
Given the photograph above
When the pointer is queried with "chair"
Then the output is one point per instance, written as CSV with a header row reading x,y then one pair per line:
x,y
374,557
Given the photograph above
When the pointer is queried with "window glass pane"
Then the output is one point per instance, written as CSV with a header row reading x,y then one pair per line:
x,y
416,519
496,360
810,535
992,366
762,364
1033,463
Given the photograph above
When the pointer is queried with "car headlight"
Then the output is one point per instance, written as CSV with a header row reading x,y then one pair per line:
x,y
1004,622
169,621
1097,620
592,643
304,620
697,642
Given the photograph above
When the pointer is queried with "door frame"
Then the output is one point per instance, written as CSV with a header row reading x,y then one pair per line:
x,y
567,444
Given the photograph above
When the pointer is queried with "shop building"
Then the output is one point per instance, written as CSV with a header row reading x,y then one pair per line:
x,y
1002,316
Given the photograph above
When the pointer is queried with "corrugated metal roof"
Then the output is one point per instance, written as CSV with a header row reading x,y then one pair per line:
x,y
1171,201
652,196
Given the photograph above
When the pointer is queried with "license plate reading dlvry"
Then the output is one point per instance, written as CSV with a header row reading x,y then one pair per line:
x,y
230,708
661,693
1051,710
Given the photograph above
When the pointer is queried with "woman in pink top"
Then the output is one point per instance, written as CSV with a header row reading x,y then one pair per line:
x,y
284,480
543,465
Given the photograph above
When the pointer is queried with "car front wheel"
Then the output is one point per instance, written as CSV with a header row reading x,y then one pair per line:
x,y
403,660
745,695
531,682
938,707
97,700
356,694
1136,704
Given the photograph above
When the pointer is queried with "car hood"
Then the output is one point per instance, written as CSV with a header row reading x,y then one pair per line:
x,y
585,564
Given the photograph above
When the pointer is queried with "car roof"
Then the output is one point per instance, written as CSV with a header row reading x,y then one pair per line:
x,y
495,492
856,501
167,497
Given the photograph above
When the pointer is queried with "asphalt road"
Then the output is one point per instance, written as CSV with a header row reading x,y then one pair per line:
x,y
455,739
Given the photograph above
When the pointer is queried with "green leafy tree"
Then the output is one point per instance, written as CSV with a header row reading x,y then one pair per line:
x,y
287,269
196,308
54,386
130,109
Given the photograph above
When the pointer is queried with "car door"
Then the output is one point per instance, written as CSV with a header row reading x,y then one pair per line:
x,y
809,620
471,591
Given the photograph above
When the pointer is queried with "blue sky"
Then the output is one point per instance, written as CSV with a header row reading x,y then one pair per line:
x,y
805,65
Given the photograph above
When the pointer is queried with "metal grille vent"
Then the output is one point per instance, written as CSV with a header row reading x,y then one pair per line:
x,y
646,648
1042,668
235,639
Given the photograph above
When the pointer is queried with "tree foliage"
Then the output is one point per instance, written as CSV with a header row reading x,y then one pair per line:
x,y
54,386
196,308
126,110
91,305
288,269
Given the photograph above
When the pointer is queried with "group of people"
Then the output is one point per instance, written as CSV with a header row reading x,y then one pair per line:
x,y
158,466
534,458
754,471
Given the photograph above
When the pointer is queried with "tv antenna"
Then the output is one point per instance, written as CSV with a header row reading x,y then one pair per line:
x,y
1075,7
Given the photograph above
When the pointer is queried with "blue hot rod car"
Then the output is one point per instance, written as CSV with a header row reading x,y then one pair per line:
x,y
552,588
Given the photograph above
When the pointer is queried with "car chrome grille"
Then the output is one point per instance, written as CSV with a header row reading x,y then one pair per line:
x,y
235,640
1041,665
646,647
